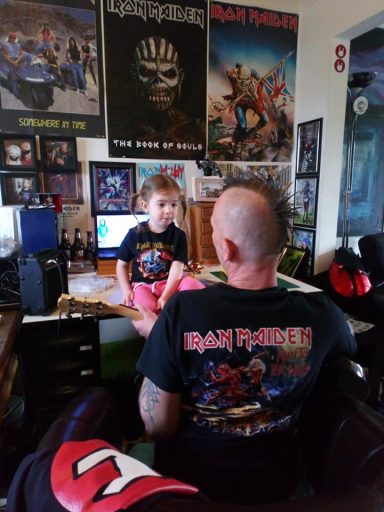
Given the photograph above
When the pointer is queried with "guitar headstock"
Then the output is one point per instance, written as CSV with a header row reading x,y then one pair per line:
x,y
95,307
84,305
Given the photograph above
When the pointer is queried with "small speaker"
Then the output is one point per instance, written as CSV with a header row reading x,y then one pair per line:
x,y
43,278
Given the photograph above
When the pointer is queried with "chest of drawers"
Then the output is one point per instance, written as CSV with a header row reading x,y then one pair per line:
x,y
203,250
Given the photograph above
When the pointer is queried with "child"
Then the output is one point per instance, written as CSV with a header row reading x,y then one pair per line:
x,y
26,192
157,248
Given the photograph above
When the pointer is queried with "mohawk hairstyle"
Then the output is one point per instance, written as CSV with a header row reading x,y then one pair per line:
x,y
278,198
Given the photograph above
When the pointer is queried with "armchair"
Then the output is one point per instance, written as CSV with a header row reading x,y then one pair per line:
x,y
342,439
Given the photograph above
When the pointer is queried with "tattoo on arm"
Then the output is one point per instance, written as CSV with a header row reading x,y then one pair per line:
x,y
149,397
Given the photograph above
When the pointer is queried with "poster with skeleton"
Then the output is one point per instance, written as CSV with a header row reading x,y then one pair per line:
x,y
251,83
156,56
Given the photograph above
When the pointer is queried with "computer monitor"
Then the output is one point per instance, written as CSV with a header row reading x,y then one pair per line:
x,y
110,230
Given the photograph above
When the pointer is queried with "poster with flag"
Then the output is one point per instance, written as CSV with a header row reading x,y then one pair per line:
x,y
251,83
276,86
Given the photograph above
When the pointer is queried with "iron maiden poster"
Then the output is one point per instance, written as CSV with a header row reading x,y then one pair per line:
x,y
51,76
155,58
251,83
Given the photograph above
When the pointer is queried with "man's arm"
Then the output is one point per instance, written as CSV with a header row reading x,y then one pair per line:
x,y
160,410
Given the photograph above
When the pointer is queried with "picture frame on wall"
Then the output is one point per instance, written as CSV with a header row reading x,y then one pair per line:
x,y
18,153
306,191
208,188
111,186
58,154
68,184
305,239
308,148
19,188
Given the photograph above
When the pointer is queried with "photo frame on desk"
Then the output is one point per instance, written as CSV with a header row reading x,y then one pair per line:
x,y
111,186
290,261
208,188
18,153
58,154
19,188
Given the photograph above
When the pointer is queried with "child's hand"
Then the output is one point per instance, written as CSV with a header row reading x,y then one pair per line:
x,y
127,298
161,303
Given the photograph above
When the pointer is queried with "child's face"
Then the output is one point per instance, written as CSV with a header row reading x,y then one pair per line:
x,y
162,209
27,183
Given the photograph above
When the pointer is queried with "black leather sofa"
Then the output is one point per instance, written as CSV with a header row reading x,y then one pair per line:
x,y
368,308
342,439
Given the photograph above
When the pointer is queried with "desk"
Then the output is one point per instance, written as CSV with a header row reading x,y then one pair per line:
x,y
8,361
213,274
209,274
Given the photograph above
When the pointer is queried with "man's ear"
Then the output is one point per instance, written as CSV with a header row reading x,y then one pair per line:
x,y
229,249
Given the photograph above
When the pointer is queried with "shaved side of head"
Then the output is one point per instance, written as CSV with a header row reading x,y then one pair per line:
x,y
244,217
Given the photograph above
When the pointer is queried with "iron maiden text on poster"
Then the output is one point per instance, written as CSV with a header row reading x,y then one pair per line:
x,y
251,86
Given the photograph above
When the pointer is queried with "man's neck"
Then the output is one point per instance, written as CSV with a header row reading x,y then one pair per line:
x,y
252,277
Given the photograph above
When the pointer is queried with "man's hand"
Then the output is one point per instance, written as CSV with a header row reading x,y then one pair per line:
x,y
144,326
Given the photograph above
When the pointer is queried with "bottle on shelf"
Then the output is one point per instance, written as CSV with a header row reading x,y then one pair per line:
x,y
65,245
78,247
90,250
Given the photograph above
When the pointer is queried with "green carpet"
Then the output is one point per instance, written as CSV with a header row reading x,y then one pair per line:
x,y
120,357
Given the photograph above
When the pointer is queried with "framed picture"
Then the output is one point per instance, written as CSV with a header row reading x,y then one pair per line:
x,y
111,186
175,170
208,188
290,261
19,188
68,184
18,153
308,147
305,239
58,154
306,190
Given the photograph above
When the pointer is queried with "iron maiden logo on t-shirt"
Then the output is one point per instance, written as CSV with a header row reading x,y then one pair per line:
x,y
231,338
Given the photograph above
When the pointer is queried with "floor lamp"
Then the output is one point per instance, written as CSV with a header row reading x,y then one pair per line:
x,y
358,105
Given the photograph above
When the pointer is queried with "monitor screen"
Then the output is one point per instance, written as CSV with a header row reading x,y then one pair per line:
x,y
110,231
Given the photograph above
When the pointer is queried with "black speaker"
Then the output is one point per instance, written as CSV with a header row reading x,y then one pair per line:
x,y
43,278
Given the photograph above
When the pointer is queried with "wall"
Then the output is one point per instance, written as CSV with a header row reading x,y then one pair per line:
x,y
320,92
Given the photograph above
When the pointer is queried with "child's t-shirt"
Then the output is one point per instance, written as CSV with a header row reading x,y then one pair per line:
x,y
153,253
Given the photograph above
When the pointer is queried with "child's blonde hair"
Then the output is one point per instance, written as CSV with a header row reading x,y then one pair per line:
x,y
156,183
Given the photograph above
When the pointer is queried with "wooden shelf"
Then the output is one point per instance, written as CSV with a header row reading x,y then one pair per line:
x,y
106,267
203,250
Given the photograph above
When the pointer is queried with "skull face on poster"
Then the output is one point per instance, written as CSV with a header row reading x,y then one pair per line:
x,y
158,78
157,73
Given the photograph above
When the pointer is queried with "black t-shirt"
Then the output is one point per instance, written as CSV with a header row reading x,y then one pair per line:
x,y
151,253
244,361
